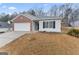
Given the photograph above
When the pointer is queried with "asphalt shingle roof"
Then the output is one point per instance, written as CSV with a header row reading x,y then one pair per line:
x,y
40,17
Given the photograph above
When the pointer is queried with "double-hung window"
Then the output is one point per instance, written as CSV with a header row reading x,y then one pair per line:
x,y
49,24
45,24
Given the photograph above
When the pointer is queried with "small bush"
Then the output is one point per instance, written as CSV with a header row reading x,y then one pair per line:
x,y
74,32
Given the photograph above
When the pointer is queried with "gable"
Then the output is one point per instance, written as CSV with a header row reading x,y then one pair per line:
x,y
21,19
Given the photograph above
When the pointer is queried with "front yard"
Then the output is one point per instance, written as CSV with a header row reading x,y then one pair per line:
x,y
43,43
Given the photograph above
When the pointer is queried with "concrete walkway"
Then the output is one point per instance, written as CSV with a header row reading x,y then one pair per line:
x,y
8,37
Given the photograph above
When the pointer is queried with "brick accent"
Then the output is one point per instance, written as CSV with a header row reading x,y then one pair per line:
x,y
23,19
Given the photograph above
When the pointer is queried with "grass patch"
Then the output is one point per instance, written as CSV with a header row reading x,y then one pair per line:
x,y
73,32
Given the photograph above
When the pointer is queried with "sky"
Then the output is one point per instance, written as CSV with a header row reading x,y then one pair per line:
x,y
10,8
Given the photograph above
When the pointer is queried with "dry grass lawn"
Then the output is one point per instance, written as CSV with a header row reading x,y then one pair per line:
x,y
43,44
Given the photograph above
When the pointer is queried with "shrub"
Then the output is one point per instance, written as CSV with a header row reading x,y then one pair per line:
x,y
73,32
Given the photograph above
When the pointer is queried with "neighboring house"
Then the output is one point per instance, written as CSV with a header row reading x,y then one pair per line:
x,y
3,26
75,23
28,22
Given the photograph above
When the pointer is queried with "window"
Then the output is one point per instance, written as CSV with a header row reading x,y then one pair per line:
x,y
49,24
45,24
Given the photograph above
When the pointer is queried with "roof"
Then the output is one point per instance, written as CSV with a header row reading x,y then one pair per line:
x,y
39,17
31,17
42,17
49,17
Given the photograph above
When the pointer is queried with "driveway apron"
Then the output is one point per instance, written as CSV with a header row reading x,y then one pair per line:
x,y
8,37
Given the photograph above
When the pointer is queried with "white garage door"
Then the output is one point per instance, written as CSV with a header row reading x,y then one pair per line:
x,y
21,26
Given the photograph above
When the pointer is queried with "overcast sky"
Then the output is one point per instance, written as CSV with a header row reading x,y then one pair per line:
x,y
18,7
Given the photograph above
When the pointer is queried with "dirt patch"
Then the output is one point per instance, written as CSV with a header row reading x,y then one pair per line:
x,y
43,44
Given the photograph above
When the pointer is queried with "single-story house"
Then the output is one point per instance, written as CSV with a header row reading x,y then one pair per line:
x,y
27,22
4,26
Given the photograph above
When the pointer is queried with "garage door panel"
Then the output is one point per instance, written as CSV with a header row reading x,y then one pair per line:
x,y
21,26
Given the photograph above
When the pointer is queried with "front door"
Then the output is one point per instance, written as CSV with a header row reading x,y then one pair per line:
x,y
36,26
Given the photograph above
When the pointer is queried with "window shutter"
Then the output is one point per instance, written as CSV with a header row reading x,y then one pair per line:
x,y
53,24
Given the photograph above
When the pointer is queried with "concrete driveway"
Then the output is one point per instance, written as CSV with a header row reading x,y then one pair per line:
x,y
8,37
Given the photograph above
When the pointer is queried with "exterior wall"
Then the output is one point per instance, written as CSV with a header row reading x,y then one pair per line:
x,y
58,25
33,26
22,19
56,29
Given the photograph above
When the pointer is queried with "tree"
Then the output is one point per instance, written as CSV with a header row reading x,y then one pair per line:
x,y
67,13
74,16
13,15
39,12
4,18
66,10
23,12
32,12
53,10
